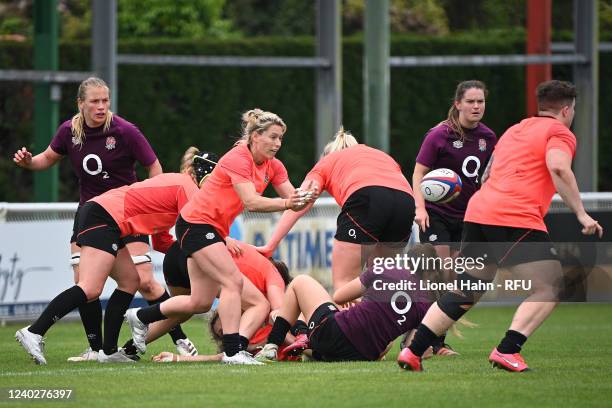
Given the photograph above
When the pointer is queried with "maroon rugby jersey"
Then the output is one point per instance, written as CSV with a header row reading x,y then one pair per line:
x,y
443,149
105,160
383,314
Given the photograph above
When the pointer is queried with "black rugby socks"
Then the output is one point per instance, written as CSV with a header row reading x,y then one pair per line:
x,y
244,343
130,348
512,343
279,331
177,332
113,318
150,314
300,327
231,344
423,338
91,317
59,307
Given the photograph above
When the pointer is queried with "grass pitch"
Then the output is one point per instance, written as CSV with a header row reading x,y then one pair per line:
x,y
571,357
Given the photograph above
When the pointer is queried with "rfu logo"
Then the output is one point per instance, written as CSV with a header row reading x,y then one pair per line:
x,y
13,277
111,142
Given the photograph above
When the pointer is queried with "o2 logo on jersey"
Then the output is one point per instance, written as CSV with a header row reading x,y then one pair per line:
x,y
403,310
98,165
467,162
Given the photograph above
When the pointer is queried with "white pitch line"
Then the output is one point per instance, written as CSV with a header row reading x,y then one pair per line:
x,y
180,367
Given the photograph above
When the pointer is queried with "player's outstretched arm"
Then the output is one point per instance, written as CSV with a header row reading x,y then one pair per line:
x,y
23,158
306,196
253,201
168,357
559,165
284,225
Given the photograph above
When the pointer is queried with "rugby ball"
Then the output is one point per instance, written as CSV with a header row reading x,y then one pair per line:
x,y
441,186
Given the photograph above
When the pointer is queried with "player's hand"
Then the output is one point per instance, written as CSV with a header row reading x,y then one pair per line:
x,y
265,251
421,218
589,225
313,189
165,357
301,197
23,158
350,304
233,246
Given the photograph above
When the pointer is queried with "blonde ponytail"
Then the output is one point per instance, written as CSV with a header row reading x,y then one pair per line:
x,y
342,139
187,161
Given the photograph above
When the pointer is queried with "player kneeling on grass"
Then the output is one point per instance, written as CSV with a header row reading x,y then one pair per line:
x,y
146,207
363,331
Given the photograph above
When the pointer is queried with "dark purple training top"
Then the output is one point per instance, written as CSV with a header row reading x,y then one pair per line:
x,y
443,149
372,324
105,160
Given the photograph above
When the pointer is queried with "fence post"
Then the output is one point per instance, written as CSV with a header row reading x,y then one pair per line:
x,y
46,95
376,74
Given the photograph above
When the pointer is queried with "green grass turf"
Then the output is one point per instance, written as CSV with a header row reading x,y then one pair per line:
x,y
571,357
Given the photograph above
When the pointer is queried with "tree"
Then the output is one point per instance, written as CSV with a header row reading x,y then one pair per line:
x,y
405,16
135,18
178,18
14,21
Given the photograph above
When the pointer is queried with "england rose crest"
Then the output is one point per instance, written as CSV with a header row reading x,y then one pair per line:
x,y
482,145
110,143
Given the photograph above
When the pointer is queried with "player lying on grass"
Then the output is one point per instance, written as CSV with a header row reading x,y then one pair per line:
x,y
264,288
363,331
295,344
146,207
